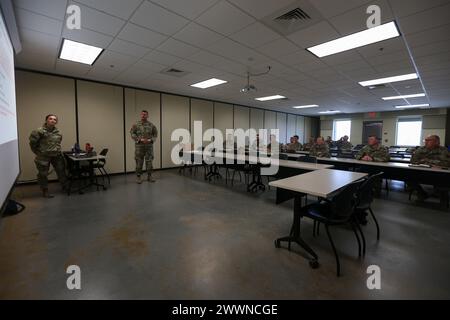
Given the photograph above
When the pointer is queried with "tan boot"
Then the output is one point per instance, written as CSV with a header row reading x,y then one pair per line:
x,y
150,178
138,180
46,194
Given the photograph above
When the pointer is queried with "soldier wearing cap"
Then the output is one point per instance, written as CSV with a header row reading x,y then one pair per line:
x,y
45,142
320,149
144,134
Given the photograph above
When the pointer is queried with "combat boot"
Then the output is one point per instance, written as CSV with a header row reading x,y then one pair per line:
x,y
150,178
46,194
138,180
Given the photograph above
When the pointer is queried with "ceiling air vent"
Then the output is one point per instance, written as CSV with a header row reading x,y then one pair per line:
x,y
294,17
174,72
296,14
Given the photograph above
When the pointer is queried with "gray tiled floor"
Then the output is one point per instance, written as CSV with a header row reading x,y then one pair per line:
x,y
184,238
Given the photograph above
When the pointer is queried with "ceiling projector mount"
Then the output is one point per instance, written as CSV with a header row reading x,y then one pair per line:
x,y
250,87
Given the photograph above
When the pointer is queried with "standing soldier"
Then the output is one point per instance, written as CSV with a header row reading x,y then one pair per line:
x,y
144,133
432,154
374,151
320,149
45,142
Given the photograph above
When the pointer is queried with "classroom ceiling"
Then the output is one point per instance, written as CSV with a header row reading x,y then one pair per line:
x,y
225,39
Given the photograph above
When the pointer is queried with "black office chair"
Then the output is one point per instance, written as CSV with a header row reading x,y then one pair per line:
x,y
364,197
339,210
308,159
100,165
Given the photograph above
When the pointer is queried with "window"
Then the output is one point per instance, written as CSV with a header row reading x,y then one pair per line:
x,y
341,128
409,132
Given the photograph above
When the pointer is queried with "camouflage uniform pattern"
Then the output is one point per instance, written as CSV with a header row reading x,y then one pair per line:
x,y
296,146
436,157
377,153
46,145
144,130
344,145
320,151
307,146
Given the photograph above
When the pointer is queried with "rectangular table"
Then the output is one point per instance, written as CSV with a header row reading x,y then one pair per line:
x,y
76,172
321,183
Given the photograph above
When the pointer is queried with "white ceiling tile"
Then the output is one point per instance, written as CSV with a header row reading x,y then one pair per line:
x,y
277,48
356,20
37,22
71,68
98,21
255,35
190,9
146,66
428,19
128,48
235,51
119,61
177,48
206,58
261,8
37,44
430,49
389,47
51,8
197,35
158,19
162,58
403,8
314,35
331,8
118,8
429,36
88,37
142,36
225,18
101,73
388,58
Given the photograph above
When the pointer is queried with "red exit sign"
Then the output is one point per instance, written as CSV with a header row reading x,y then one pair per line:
x,y
372,114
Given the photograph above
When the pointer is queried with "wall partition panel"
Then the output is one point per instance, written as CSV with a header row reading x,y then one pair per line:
x,y
291,126
175,115
300,129
101,122
307,131
270,122
241,117
256,119
223,117
282,126
202,110
135,102
37,96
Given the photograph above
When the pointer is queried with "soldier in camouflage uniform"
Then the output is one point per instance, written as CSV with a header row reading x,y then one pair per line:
x,y
373,151
144,133
344,144
45,142
294,145
434,155
307,146
320,149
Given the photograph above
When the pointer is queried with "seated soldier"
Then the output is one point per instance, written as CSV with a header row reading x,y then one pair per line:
x,y
432,154
344,144
309,145
294,145
373,151
320,149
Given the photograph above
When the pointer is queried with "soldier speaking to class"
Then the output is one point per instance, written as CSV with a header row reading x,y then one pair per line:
x,y
144,134
45,142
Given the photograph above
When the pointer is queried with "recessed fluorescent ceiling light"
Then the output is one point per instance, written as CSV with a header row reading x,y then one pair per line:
x,y
276,97
356,40
405,97
329,112
413,106
79,52
209,83
410,76
304,107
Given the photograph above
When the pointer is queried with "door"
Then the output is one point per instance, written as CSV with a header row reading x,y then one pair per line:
x,y
372,128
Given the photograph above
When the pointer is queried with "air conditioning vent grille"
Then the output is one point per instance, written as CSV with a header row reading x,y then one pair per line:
x,y
296,14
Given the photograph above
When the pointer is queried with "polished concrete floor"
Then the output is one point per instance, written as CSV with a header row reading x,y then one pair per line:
x,y
184,238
